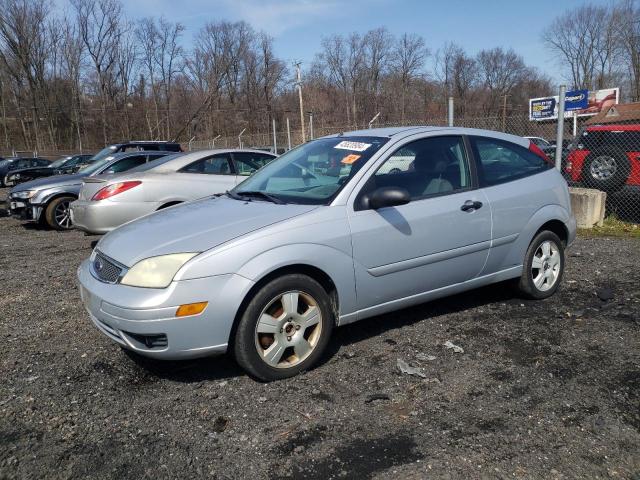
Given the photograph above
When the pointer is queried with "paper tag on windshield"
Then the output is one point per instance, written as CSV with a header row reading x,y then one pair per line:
x,y
349,159
355,146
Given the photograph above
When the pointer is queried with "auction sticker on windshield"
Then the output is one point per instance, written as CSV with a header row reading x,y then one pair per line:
x,y
349,159
355,146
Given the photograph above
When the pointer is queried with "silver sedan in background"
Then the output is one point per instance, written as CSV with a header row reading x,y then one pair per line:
x,y
107,202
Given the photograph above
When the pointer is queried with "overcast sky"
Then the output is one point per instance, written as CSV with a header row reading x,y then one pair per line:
x,y
298,25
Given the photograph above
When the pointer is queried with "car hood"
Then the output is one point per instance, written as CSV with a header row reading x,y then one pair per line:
x,y
50,182
193,227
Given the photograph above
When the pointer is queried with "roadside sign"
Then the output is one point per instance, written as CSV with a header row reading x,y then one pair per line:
x,y
577,102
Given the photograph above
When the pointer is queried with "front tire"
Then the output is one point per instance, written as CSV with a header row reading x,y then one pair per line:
x,y
58,215
543,266
284,329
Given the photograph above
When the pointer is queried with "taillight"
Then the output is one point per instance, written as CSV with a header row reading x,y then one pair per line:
x,y
535,149
114,189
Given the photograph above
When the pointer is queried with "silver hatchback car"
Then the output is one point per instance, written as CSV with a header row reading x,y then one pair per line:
x,y
327,235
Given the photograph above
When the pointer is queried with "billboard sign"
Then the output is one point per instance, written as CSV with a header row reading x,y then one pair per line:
x,y
579,102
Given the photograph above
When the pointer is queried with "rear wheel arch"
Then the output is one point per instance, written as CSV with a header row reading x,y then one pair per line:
x,y
556,226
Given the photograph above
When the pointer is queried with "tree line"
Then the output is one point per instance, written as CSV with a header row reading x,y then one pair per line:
x,y
91,76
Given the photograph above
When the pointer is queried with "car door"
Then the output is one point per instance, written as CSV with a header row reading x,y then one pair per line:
x,y
206,176
440,238
504,171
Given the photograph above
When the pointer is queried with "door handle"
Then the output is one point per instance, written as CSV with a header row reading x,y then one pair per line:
x,y
470,205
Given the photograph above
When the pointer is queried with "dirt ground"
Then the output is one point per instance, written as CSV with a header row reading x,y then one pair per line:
x,y
546,389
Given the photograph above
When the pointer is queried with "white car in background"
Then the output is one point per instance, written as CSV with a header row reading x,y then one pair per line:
x,y
107,202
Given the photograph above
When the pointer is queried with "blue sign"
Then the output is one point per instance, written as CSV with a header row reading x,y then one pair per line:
x,y
576,100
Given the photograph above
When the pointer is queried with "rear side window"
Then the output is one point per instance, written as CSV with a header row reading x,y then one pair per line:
x,y
246,163
501,161
126,164
216,165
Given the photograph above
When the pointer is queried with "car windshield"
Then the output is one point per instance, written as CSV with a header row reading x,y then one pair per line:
x,y
102,153
312,173
154,163
94,166
59,163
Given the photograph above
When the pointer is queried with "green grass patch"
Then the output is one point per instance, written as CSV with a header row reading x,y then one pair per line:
x,y
613,227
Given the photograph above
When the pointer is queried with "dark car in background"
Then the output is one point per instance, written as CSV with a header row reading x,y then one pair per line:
x,y
131,146
46,200
63,165
16,163
605,157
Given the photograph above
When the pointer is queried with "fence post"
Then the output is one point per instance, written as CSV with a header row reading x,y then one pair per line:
x,y
450,112
311,125
560,133
191,140
288,134
275,140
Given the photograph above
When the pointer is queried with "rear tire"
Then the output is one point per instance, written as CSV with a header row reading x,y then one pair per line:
x,y
284,329
606,169
543,266
57,214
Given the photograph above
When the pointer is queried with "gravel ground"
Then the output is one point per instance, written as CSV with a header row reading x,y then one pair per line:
x,y
542,390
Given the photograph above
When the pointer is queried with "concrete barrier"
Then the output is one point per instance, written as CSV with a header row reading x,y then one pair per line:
x,y
588,206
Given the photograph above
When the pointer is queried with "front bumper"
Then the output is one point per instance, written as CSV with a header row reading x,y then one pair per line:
x,y
22,209
103,216
143,319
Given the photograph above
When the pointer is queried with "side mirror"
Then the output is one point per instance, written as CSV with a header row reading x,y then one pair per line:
x,y
388,197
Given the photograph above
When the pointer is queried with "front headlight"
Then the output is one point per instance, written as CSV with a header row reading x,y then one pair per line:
x,y
156,272
24,194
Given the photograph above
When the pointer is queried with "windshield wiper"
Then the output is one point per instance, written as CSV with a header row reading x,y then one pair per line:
x,y
235,196
257,193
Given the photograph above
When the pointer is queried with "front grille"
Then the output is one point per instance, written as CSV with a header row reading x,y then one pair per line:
x,y
105,269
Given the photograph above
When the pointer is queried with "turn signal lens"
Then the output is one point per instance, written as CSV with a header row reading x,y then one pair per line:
x,y
114,189
191,309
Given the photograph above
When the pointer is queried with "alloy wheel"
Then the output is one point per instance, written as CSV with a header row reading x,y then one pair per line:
x,y
603,167
546,266
288,330
62,214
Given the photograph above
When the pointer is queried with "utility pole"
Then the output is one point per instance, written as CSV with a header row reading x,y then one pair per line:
x,y
299,85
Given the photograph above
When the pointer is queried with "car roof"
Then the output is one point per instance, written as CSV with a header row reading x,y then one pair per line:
x,y
401,132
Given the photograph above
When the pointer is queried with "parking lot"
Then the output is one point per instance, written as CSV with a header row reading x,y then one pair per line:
x,y
545,389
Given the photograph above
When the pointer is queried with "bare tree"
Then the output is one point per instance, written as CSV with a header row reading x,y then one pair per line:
x,y
72,67
408,58
500,72
583,40
168,59
626,21
24,49
100,30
